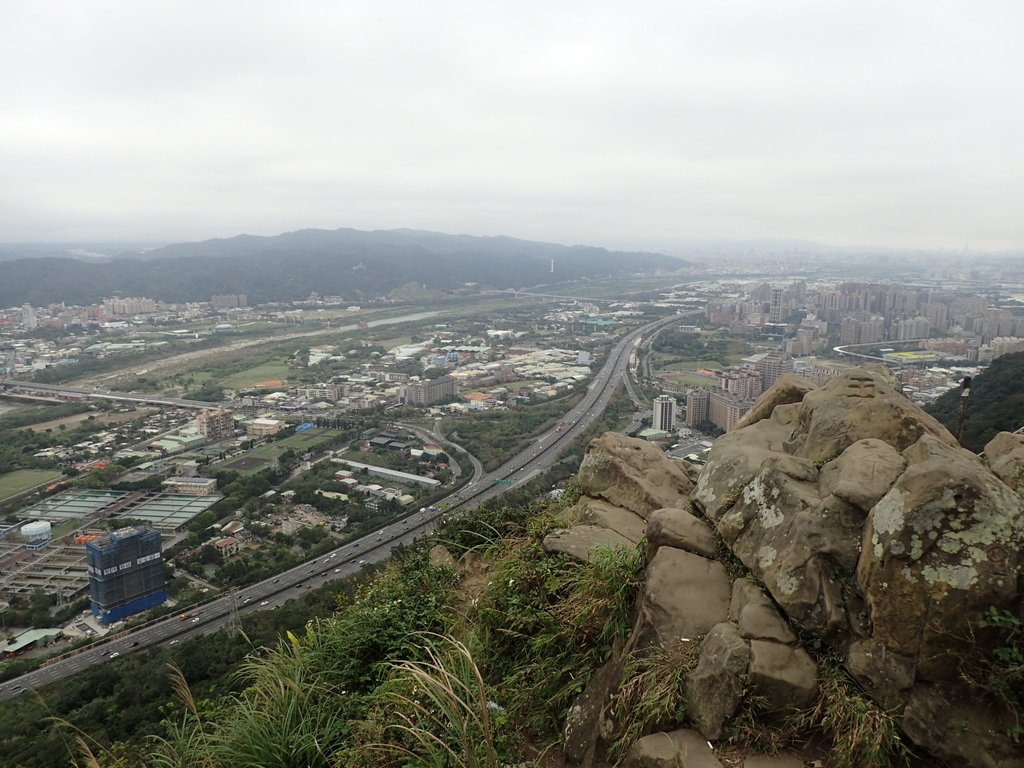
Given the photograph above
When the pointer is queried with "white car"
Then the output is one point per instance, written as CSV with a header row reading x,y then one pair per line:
x,y
172,642
362,562
265,602
115,654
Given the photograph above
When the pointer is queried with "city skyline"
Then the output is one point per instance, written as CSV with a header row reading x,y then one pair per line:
x,y
851,125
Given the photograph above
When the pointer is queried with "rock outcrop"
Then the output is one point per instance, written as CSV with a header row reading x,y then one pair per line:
x,y
872,529
632,474
863,526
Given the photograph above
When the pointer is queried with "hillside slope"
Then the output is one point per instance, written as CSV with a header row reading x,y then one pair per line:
x,y
996,403
349,263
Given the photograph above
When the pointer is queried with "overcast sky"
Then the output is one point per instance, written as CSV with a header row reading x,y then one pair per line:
x,y
619,124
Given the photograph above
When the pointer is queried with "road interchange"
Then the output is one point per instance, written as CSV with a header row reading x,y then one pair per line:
x,y
345,561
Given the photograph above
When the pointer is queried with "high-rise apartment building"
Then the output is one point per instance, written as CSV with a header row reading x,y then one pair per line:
x,y
229,301
745,384
725,410
430,391
773,365
216,423
775,306
697,406
664,413
28,318
126,573
129,305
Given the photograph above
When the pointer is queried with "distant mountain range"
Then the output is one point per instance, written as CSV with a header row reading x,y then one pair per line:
x,y
350,263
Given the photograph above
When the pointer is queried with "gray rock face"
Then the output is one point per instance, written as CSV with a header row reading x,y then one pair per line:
x,y
889,675
632,474
582,541
787,677
715,687
964,731
686,595
678,528
677,749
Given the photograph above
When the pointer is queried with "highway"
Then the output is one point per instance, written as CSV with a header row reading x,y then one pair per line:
x,y
347,560
67,390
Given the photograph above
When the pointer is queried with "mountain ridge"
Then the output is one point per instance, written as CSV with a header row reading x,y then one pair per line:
x,y
352,264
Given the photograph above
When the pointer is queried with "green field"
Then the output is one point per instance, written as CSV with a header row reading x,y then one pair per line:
x,y
304,440
692,365
20,480
265,455
689,379
273,369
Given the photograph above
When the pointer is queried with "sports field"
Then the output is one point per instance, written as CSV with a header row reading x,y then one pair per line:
x,y
20,480
268,371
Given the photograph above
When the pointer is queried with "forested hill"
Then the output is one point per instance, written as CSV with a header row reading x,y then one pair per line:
x,y
996,403
349,263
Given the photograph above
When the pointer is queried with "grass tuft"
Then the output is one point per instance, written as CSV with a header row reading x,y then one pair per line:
x,y
652,694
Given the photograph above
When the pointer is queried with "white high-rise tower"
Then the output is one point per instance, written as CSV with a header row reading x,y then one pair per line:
x,y
664,413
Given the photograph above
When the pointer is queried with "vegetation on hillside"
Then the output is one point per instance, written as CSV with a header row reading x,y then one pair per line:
x,y
996,403
348,263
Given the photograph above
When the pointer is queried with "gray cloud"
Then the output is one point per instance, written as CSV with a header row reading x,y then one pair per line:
x,y
598,122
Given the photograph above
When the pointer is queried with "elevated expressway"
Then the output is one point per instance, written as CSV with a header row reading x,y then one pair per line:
x,y
223,611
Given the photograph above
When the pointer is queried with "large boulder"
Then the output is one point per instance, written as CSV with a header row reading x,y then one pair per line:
x,y
685,596
864,403
715,687
945,544
678,528
676,749
796,543
599,512
582,542
632,474
863,473
786,677
872,529
788,388
756,616
1005,456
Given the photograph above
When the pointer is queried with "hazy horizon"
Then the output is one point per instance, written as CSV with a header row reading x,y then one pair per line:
x,y
864,124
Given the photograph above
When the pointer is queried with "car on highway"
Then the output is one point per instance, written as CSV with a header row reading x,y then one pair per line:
x,y
114,655
246,600
337,570
265,602
173,642
362,562
195,619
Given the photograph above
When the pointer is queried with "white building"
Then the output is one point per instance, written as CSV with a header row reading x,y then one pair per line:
x,y
664,413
